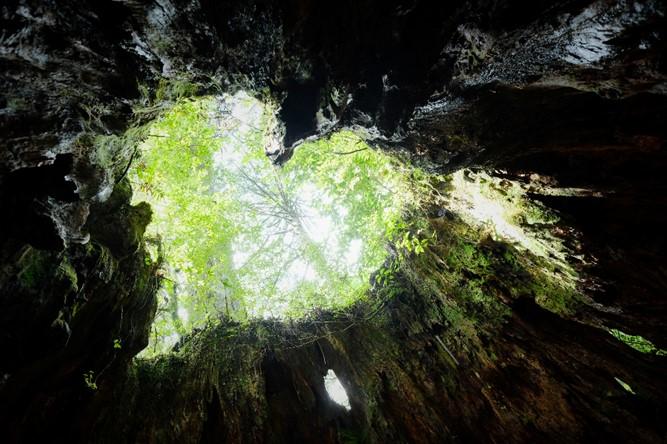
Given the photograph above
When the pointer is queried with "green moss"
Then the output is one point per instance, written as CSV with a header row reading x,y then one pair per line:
x,y
555,297
167,94
35,268
637,342
456,275
477,277
66,271
532,212
538,267
139,218
175,89
105,264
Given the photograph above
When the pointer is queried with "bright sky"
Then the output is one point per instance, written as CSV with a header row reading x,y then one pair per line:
x,y
274,241
336,390
246,116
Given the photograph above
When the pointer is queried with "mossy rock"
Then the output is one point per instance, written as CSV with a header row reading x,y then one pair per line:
x,y
119,225
35,267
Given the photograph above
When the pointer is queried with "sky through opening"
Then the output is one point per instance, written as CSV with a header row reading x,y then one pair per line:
x,y
242,238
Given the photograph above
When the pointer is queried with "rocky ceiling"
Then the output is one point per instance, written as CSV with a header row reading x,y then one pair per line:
x,y
573,90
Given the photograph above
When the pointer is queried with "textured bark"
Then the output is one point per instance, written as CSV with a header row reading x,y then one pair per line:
x,y
572,89
413,370
61,313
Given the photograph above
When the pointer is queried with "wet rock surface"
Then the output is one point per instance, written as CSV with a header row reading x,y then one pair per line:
x,y
572,90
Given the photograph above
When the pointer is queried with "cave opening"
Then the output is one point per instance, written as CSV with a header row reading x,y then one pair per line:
x,y
335,390
239,237
236,237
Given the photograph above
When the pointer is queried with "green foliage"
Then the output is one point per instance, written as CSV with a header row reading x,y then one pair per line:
x,y
242,238
625,385
90,380
168,92
239,238
412,243
638,343
462,266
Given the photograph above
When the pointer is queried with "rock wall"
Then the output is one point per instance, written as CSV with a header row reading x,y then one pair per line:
x,y
571,89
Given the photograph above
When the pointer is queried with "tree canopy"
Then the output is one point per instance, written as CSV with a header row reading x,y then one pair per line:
x,y
242,238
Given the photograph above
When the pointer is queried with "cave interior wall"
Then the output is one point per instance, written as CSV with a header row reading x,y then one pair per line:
x,y
573,90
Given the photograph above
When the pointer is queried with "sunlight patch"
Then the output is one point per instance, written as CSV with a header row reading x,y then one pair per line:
x,y
625,385
503,208
637,342
336,390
